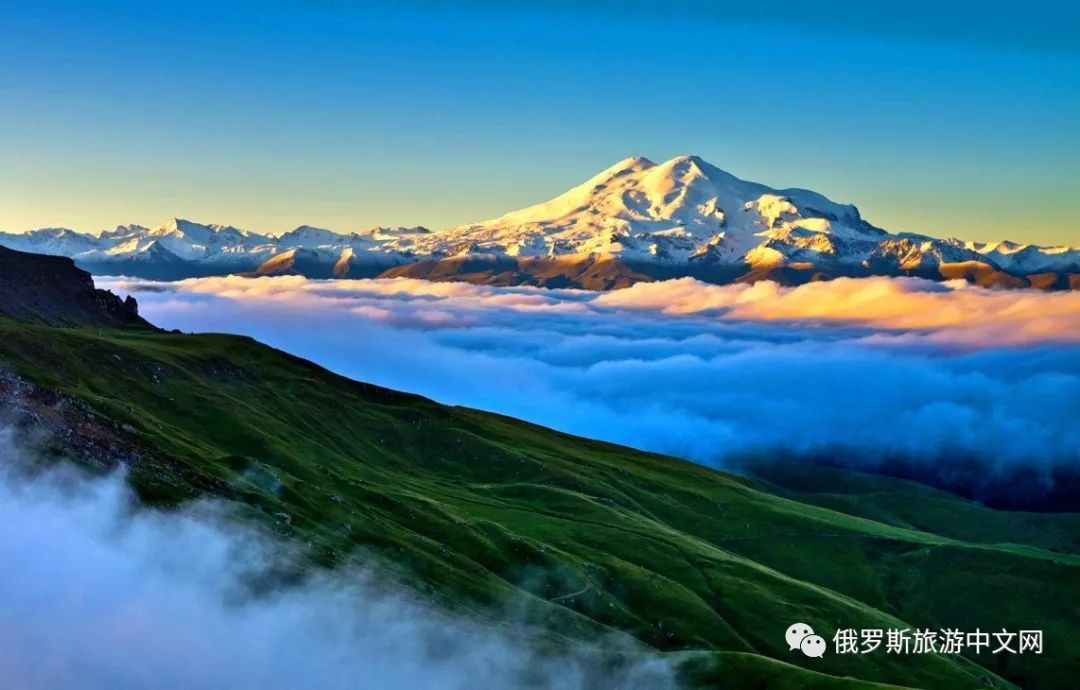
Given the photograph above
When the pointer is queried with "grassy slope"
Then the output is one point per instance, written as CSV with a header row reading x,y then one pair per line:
x,y
583,536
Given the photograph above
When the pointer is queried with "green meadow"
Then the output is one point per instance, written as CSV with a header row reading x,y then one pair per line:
x,y
574,539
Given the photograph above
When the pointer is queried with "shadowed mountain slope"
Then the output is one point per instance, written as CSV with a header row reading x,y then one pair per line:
x,y
52,290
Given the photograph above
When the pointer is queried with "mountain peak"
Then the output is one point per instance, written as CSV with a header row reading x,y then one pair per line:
x,y
685,167
310,235
687,158
177,224
634,162
624,167
124,231
189,227
307,230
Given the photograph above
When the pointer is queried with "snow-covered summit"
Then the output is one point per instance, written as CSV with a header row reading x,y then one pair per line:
x,y
309,236
673,212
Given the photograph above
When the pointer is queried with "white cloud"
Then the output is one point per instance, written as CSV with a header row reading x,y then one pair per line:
x,y
99,595
869,368
951,312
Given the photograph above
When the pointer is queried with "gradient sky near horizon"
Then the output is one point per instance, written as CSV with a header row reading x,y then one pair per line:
x,y
950,118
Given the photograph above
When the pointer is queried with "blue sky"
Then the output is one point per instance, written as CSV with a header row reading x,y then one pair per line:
x,y
948,118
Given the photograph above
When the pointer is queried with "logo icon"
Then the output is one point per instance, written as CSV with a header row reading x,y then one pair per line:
x,y
800,636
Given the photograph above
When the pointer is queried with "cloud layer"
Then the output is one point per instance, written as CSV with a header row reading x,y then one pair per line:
x,y
97,594
868,370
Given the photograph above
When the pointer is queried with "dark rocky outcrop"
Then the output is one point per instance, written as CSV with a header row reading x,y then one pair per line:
x,y
51,289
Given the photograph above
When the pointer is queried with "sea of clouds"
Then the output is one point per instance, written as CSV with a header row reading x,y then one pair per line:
x,y
97,593
864,371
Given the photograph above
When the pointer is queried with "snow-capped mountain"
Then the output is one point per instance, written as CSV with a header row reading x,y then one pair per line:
x,y
183,249
680,211
636,220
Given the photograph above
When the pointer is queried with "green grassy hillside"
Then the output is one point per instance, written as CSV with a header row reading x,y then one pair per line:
x,y
483,513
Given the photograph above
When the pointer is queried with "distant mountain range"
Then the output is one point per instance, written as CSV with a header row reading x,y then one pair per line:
x,y
635,221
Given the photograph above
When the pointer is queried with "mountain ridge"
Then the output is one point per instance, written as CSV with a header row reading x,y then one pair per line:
x,y
643,220
51,290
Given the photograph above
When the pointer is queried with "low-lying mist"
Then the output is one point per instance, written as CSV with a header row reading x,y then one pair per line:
x,y
97,593
903,374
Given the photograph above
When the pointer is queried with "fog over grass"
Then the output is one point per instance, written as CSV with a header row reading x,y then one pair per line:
x,y
866,370
96,593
